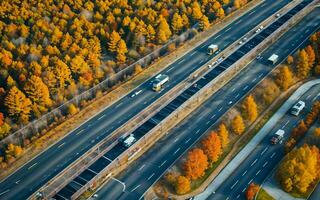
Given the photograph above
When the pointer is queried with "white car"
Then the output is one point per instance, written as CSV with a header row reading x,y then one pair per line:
x,y
297,108
278,15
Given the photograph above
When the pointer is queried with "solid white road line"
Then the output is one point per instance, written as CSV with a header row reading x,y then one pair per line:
x,y
244,173
141,167
274,153
258,172
264,150
32,166
135,188
254,162
265,164
151,176
187,141
61,145
234,184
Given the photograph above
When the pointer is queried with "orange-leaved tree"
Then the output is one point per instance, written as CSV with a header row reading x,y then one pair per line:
x,y
211,146
250,108
182,185
252,190
196,164
224,135
238,125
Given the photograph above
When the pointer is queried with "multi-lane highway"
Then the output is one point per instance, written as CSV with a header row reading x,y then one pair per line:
x,y
136,180
38,171
265,157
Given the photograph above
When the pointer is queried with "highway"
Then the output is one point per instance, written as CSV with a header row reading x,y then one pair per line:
x,y
151,166
265,157
38,171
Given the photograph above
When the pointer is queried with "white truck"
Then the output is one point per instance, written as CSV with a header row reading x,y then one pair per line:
x,y
213,48
273,59
277,137
297,108
159,81
129,140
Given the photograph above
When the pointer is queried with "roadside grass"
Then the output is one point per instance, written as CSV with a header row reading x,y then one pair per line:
x,y
263,195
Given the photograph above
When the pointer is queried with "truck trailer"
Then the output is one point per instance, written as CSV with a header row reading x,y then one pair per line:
x,y
273,59
159,81
212,49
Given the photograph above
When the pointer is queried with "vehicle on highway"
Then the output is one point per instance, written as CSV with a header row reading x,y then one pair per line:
x,y
278,15
244,39
240,42
259,57
258,30
128,141
277,137
297,108
212,49
273,59
159,81
219,60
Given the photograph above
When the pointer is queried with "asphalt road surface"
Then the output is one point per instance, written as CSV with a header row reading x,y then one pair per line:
x,y
136,180
265,157
38,171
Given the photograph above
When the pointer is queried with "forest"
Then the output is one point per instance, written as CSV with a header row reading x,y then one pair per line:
x,y
52,50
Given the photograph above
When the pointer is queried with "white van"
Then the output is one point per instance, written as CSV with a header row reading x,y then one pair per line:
x,y
297,108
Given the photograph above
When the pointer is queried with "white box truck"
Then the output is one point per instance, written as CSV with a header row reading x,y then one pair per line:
x,y
273,59
212,49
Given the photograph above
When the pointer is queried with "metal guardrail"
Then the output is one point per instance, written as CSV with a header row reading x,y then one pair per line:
x,y
203,91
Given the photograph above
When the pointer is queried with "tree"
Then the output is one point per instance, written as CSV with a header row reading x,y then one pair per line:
x,y
150,33
224,135
250,108
299,131
19,106
204,23
4,130
72,109
284,78
315,111
299,169
290,60
38,92
211,146
113,41
303,65
62,74
252,190
161,37
13,150
220,13
163,25
196,164
238,125
121,51
196,11
176,23
182,185
311,55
